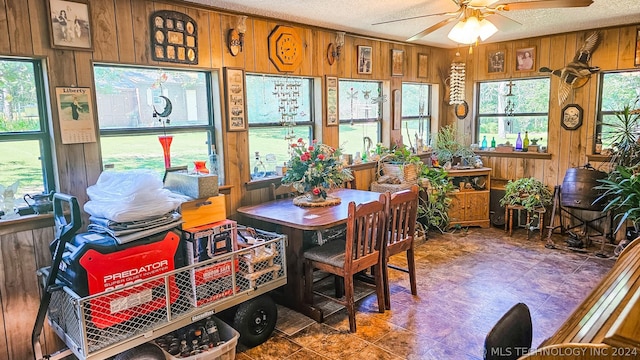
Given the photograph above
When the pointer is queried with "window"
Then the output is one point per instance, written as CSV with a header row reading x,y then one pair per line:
x,y
530,100
24,132
280,111
416,112
127,98
617,90
360,115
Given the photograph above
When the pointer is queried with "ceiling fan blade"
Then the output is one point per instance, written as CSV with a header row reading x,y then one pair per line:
x,y
503,23
415,17
530,5
481,3
431,29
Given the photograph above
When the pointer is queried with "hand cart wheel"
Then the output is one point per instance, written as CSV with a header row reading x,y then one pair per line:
x,y
255,320
146,351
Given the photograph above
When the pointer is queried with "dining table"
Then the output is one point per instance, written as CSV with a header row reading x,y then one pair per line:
x,y
292,221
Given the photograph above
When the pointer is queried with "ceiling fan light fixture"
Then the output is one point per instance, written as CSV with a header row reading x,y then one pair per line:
x,y
487,29
462,32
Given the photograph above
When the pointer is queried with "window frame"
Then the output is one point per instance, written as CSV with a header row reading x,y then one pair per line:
x,y
479,115
311,123
44,135
159,130
428,116
600,113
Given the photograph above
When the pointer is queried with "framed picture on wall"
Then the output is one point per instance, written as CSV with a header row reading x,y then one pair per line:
x,y
637,61
70,24
422,65
234,93
397,58
75,114
332,100
364,59
526,59
495,61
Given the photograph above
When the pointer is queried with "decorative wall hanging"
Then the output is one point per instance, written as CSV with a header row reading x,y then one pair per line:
x,y
285,48
422,65
235,38
332,100
397,58
75,114
397,110
235,99
335,49
174,37
70,24
572,117
457,81
637,61
577,72
526,59
364,59
495,62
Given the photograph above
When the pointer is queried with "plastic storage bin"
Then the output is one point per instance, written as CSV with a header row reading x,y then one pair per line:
x,y
226,351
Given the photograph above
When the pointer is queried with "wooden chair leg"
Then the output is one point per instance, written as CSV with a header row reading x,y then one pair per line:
x,y
385,283
338,284
412,271
380,289
349,297
308,282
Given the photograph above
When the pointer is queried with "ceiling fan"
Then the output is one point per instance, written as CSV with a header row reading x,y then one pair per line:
x,y
476,18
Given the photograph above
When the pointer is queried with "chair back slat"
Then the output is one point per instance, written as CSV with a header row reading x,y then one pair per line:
x,y
365,229
282,192
402,213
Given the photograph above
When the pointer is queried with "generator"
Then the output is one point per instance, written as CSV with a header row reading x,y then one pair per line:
x,y
93,263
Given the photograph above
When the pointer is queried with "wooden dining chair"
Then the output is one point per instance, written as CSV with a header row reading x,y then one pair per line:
x,y
360,250
281,192
402,209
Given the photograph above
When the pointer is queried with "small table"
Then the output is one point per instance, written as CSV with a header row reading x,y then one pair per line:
x,y
294,220
508,218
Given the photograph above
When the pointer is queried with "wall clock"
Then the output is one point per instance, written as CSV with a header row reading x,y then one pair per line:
x,y
571,117
285,48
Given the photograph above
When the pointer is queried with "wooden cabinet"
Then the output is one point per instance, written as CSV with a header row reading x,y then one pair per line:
x,y
470,202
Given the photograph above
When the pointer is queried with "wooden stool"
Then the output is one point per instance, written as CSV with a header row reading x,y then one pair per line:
x,y
508,218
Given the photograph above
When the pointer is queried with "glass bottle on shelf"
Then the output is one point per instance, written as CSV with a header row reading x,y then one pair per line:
x,y
519,143
493,142
598,148
259,170
213,161
525,142
484,143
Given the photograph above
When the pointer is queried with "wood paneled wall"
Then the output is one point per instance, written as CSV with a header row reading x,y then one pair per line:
x,y
567,148
121,36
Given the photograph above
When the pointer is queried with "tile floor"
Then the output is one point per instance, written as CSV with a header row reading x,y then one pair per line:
x,y
466,281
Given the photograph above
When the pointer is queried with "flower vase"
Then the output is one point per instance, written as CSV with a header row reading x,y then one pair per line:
x,y
165,141
200,167
313,198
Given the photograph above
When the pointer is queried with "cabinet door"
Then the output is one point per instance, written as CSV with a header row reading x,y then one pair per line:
x,y
456,209
477,205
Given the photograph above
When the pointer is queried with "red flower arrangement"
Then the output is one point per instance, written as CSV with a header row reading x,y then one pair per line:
x,y
315,168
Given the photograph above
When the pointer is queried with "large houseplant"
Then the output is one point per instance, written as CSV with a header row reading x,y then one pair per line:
x,y
528,192
621,187
447,147
433,209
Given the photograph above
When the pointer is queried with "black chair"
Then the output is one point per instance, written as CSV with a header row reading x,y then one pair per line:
x,y
511,336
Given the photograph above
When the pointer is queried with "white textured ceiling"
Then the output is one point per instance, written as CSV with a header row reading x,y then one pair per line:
x,y
357,17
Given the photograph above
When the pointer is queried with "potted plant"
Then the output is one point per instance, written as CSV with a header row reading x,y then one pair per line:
x,y
447,147
530,193
433,209
621,189
315,169
400,162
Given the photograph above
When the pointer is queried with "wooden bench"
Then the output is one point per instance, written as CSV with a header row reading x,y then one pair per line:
x,y
607,324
